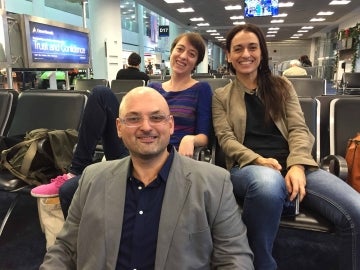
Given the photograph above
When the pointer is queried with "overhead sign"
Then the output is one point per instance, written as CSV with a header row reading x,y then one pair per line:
x,y
163,30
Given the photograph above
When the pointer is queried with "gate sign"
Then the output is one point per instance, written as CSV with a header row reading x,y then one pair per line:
x,y
163,30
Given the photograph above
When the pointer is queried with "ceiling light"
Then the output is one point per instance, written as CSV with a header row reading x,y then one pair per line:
x,y
238,23
281,15
276,21
274,28
219,37
307,27
203,24
236,7
272,32
286,4
294,37
214,34
210,31
270,35
297,35
317,19
183,10
325,13
174,1
303,31
335,2
236,17
200,19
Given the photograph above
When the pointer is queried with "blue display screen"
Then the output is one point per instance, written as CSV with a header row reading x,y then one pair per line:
x,y
257,8
52,44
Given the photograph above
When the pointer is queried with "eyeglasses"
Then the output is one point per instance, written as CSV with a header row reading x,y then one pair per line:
x,y
138,120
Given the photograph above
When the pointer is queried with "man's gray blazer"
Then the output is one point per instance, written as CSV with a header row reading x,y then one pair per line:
x,y
200,224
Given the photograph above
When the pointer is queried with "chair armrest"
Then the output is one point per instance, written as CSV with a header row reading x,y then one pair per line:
x,y
198,152
336,165
203,153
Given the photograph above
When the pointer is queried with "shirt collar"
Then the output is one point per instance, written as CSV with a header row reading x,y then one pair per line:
x,y
164,172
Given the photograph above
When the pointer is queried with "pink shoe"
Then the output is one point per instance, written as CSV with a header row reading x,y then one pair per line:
x,y
50,190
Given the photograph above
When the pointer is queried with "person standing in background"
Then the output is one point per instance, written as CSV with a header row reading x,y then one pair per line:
x,y
163,69
150,68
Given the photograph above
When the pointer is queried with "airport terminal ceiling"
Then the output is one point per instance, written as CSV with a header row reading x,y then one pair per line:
x,y
302,20
298,16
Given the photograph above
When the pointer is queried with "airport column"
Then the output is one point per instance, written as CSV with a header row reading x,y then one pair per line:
x,y
105,37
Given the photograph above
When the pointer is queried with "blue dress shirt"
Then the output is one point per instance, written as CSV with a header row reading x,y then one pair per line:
x,y
141,220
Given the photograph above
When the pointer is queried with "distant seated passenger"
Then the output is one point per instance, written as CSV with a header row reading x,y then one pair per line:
x,y
295,69
305,61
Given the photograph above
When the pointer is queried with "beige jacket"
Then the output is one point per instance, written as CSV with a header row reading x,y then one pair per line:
x,y
229,119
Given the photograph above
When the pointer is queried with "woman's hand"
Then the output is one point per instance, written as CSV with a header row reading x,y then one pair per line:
x,y
268,162
295,182
186,147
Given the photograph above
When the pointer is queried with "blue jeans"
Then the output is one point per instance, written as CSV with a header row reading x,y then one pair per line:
x,y
66,193
98,123
262,192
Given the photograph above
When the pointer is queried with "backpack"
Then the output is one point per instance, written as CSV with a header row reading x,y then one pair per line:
x,y
41,155
353,161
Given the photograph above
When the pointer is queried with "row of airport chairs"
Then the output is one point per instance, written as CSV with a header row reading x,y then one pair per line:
x,y
119,87
31,110
350,83
115,85
305,86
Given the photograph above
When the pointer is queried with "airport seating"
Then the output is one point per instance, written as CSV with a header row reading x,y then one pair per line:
x,y
154,76
351,83
125,85
341,129
216,82
89,84
8,101
229,76
325,101
202,75
306,87
311,110
298,76
217,74
40,109
312,71
158,78
121,87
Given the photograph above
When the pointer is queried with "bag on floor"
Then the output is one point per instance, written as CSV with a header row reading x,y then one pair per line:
x,y
41,155
353,161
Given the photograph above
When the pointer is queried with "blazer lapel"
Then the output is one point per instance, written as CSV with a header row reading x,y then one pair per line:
x,y
177,187
115,190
